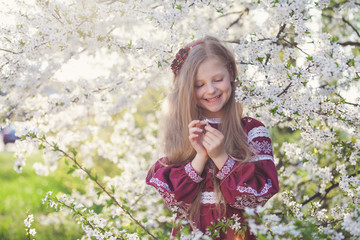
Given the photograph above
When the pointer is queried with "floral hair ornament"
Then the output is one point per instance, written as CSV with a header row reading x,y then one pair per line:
x,y
180,58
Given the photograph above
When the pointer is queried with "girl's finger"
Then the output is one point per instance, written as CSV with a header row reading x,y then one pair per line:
x,y
206,144
212,137
195,129
193,136
209,128
193,123
208,140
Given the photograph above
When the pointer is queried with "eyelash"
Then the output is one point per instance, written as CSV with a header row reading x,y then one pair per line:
x,y
219,80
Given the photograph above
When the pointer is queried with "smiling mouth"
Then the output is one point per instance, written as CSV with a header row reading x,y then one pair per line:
x,y
213,99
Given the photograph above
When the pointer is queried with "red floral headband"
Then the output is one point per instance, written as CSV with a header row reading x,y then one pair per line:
x,y
180,58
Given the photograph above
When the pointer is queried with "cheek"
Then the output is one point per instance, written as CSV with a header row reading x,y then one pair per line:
x,y
197,93
227,88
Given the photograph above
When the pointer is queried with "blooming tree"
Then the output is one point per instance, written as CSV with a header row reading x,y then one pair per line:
x,y
73,71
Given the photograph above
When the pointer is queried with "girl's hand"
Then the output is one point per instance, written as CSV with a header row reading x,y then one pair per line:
x,y
213,141
196,136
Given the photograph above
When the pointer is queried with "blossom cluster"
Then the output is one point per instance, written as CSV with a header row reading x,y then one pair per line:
x,y
29,231
82,81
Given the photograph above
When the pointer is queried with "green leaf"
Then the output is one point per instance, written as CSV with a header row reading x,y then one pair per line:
x,y
260,59
110,202
55,147
269,100
334,39
273,111
74,152
351,62
32,135
288,75
70,171
98,192
297,74
41,146
125,207
178,6
220,10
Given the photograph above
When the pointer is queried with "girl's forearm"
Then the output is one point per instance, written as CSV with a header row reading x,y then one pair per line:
x,y
198,163
220,160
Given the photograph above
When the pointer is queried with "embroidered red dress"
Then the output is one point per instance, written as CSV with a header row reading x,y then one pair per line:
x,y
242,185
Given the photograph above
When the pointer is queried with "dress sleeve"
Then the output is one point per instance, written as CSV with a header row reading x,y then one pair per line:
x,y
178,185
255,182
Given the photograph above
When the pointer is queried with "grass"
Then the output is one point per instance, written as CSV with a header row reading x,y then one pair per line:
x,y
22,193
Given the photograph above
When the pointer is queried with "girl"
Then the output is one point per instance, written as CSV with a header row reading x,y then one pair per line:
x,y
217,163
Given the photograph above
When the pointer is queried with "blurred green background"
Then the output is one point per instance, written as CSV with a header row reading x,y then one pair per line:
x,y
22,194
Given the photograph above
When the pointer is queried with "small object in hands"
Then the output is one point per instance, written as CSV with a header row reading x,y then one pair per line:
x,y
203,126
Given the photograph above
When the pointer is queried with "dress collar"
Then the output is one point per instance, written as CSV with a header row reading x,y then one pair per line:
x,y
212,120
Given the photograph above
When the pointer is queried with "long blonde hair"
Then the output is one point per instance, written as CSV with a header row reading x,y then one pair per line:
x,y
181,110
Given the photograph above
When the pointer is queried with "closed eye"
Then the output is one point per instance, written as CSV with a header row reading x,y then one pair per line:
x,y
199,86
218,80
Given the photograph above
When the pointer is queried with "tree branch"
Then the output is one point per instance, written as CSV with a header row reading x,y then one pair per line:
x,y
349,43
282,28
99,185
238,19
78,212
9,51
349,103
295,45
352,26
230,13
327,190
285,90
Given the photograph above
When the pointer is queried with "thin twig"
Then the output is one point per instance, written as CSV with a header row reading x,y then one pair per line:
x,y
349,103
9,51
349,43
74,210
100,186
327,190
295,45
238,19
285,90
352,26
282,28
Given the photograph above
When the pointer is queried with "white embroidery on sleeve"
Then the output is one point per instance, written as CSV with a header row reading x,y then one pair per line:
x,y
225,170
170,201
192,173
261,146
258,132
261,157
252,191
160,183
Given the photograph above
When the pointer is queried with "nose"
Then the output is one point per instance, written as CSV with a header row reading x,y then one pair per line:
x,y
211,88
